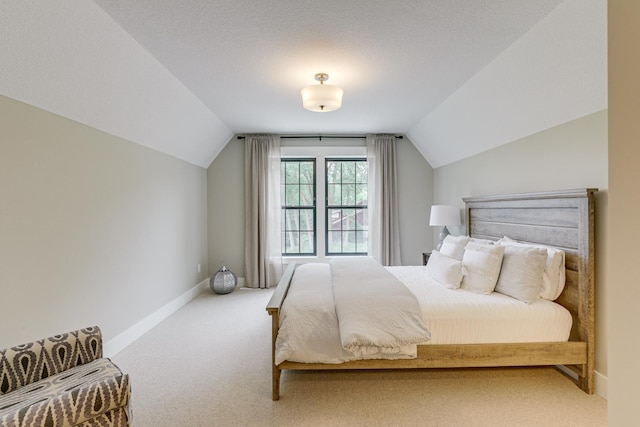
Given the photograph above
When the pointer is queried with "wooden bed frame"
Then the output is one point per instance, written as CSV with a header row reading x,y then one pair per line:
x,y
563,219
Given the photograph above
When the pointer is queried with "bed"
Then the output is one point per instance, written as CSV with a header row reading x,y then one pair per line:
x,y
560,219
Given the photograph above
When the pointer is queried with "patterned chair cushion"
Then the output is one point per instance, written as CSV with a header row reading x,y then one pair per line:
x,y
96,393
27,363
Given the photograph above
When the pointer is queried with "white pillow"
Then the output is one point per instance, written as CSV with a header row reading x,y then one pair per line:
x,y
521,273
453,246
554,276
481,267
482,241
445,270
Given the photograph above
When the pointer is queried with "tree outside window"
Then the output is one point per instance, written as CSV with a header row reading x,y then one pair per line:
x,y
346,207
298,200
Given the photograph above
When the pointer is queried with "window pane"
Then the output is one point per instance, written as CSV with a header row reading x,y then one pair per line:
x,y
348,241
333,171
334,196
291,245
362,172
306,242
334,243
349,172
292,173
306,220
361,241
361,194
362,219
306,195
292,220
334,216
348,219
293,195
306,173
348,194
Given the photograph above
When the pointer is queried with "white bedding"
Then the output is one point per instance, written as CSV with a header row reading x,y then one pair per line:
x,y
309,330
376,313
308,324
463,317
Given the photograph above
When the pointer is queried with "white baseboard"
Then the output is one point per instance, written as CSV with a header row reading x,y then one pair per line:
x,y
599,380
118,343
601,385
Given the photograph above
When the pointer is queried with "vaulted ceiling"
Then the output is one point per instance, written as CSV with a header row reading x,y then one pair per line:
x,y
458,77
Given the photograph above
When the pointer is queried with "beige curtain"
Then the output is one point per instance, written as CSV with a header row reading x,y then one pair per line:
x,y
262,253
384,235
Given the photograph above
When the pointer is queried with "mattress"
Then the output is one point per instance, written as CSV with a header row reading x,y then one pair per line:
x,y
463,317
309,331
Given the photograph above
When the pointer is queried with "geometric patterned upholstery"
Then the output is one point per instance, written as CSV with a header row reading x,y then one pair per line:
x,y
63,381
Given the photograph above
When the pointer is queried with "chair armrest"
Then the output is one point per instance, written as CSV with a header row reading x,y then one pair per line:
x,y
27,363
75,406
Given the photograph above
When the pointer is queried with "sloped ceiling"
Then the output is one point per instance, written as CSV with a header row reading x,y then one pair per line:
x,y
457,76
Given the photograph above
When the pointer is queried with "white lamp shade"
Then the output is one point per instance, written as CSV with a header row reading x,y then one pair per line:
x,y
322,97
443,215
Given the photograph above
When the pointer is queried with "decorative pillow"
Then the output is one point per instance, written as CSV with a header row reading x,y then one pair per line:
x,y
521,273
554,275
445,270
453,246
482,241
481,267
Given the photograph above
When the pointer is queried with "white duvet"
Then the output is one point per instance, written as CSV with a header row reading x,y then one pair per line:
x,y
309,329
377,314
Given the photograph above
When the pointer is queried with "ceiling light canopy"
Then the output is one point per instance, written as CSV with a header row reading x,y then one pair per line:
x,y
321,97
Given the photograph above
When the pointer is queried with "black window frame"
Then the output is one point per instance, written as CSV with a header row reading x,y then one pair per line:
x,y
313,208
356,207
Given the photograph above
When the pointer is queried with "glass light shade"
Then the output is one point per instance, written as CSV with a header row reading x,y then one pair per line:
x,y
322,97
442,215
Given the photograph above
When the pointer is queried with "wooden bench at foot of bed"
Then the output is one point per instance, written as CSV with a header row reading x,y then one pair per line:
x,y
563,219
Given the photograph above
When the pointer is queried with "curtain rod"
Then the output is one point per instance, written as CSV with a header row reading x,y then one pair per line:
x,y
320,137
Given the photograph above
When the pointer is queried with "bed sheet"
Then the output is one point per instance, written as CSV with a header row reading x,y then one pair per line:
x,y
463,317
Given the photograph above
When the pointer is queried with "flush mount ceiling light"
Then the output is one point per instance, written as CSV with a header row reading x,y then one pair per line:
x,y
322,97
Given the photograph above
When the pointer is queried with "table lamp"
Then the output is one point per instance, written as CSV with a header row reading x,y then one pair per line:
x,y
443,215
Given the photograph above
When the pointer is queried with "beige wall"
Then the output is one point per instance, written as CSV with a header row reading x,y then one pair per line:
x,y
573,155
415,194
93,229
225,198
225,180
624,209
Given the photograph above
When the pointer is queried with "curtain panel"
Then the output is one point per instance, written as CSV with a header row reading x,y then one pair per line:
x,y
262,253
384,235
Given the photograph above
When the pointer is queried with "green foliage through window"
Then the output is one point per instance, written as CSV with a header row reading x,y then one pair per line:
x,y
298,201
346,209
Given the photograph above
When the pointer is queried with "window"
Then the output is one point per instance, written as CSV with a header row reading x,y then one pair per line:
x,y
298,200
336,202
346,206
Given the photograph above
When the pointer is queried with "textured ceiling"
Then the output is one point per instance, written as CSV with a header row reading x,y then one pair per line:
x,y
183,77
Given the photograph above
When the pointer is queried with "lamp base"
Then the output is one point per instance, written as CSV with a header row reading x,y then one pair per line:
x,y
443,234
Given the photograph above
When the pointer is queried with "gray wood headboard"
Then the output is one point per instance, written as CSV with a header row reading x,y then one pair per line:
x,y
562,219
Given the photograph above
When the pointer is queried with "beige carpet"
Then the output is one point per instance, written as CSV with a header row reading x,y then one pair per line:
x,y
209,364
